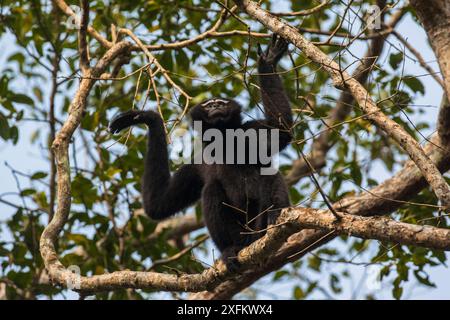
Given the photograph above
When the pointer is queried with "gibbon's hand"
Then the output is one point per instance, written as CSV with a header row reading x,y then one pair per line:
x,y
274,51
128,118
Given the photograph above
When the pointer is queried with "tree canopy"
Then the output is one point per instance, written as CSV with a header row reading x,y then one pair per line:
x,y
67,67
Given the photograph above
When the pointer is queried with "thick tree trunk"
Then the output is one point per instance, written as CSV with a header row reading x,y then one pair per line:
x,y
435,17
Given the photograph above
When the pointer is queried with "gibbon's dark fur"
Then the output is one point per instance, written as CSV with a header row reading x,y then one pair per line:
x,y
235,198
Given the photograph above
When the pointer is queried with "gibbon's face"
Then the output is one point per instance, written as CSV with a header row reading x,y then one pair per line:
x,y
216,108
218,112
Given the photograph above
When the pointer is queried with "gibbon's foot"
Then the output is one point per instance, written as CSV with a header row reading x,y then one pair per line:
x,y
274,51
272,218
229,257
124,120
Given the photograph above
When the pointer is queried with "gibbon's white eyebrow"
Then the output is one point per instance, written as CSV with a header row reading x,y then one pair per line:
x,y
215,101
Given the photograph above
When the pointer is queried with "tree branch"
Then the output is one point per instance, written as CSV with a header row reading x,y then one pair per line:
x,y
278,245
383,199
255,254
377,228
322,144
435,17
61,150
341,79
82,37
302,13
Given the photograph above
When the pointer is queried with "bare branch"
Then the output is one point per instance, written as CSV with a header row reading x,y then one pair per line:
x,y
152,60
302,13
207,34
378,228
52,125
82,37
61,150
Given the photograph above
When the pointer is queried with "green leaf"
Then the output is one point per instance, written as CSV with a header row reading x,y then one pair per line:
x,y
335,283
355,171
111,172
280,274
295,196
395,59
299,293
39,175
18,56
423,279
79,239
182,60
314,263
4,127
27,192
397,292
414,84
83,191
21,98
166,60
14,134
38,94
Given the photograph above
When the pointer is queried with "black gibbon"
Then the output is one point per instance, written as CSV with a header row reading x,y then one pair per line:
x,y
235,198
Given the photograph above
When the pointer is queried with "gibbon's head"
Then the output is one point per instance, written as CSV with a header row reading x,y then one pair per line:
x,y
217,113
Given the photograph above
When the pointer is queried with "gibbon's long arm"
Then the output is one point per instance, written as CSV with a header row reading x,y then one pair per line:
x,y
162,194
277,109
